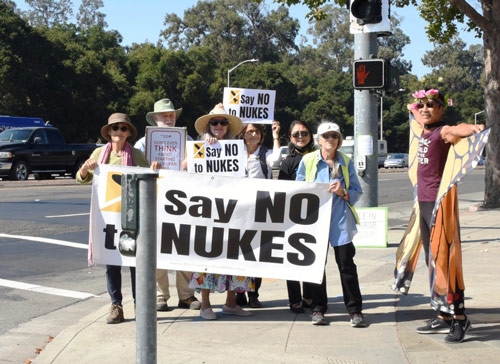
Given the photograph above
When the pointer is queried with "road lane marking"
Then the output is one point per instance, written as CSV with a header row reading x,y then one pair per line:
x,y
46,290
70,215
46,240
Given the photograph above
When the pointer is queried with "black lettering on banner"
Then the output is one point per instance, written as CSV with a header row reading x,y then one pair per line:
x,y
267,246
312,208
171,196
235,244
200,242
265,113
204,209
169,237
109,237
230,150
298,241
264,204
263,99
224,213
198,168
236,165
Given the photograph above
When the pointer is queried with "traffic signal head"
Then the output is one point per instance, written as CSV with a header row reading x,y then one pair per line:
x,y
370,16
367,11
369,74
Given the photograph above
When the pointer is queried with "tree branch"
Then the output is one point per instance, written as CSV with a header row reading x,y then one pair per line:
x,y
476,18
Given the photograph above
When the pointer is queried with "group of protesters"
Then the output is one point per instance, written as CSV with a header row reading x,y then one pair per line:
x,y
325,164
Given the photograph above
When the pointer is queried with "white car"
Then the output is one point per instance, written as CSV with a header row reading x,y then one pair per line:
x,y
396,160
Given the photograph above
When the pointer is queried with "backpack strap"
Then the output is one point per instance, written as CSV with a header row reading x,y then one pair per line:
x,y
262,160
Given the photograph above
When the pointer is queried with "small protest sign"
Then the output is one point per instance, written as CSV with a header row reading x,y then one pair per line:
x,y
225,158
166,145
250,105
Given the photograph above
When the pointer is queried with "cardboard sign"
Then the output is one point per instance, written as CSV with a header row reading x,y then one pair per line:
x,y
372,230
226,225
250,105
224,158
166,145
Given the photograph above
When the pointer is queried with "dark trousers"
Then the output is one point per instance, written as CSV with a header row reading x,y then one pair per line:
x,y
114,281
319,296
344,256
258,282
295,294
425,226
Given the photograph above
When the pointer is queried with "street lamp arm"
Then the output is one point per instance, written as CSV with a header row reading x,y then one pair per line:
x,y
239,64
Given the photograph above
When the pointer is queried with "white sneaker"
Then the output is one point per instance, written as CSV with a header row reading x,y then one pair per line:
x,y
237,310
208,314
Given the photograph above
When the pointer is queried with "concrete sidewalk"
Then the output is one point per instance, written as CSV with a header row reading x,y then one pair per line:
x,y
275,335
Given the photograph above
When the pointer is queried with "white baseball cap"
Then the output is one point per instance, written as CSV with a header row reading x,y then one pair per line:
x,y
328,126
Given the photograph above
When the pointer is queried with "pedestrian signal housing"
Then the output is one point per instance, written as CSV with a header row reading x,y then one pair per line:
x,y
369,74
370,16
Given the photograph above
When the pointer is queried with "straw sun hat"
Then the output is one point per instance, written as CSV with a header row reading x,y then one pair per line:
x,y
235,123
116,118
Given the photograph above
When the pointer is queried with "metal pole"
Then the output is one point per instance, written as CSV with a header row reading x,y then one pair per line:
x,y
146,350
365,124
382,117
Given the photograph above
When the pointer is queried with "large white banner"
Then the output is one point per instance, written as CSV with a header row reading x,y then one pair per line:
x,y
229,225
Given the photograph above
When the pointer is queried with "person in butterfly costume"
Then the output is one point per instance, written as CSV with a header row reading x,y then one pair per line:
x,y
440,156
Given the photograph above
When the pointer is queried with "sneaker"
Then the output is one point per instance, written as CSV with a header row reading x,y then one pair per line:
x,y
253,302
318,318
357,320
208,314
241,299
237,310
457,331
435,326
115,315
161,304
191,302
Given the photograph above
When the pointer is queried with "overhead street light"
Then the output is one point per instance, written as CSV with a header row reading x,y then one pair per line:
x,y
239,64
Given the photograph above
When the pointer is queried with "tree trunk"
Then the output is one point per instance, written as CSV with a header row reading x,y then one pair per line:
x,y
492,98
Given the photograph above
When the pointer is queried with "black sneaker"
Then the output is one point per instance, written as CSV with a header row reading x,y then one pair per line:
x,y
435,326
458,330
318,318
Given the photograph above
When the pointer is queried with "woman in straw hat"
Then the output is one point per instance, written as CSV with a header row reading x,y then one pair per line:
x,y
119,131
218,125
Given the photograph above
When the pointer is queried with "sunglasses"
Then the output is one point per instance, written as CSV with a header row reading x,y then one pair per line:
x,y
252,132
215,122
303,134
330,135
429,104
116,128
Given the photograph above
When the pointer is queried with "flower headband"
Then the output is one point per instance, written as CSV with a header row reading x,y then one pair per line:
x,y
429,94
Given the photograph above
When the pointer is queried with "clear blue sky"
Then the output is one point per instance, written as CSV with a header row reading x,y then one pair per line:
x,y
138,21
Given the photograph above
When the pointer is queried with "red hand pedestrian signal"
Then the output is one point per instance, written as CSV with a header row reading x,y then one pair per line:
x,y
361,74
369,74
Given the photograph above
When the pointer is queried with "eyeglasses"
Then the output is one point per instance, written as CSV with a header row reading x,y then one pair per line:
x,y
330,135
303,134
252,132
429,104
116,128
215,122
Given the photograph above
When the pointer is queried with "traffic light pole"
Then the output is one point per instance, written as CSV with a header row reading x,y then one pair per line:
x,y
365,127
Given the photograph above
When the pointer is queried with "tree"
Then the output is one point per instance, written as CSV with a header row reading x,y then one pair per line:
x,y
89,16
234,29
443,16
47,13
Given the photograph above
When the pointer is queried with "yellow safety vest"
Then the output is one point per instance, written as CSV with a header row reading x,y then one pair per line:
x,y
310,162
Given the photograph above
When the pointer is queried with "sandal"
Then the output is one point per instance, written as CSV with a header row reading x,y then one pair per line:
x,y
297,308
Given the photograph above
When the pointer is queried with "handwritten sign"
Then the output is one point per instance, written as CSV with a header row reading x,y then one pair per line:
x,y
372,230
250,105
